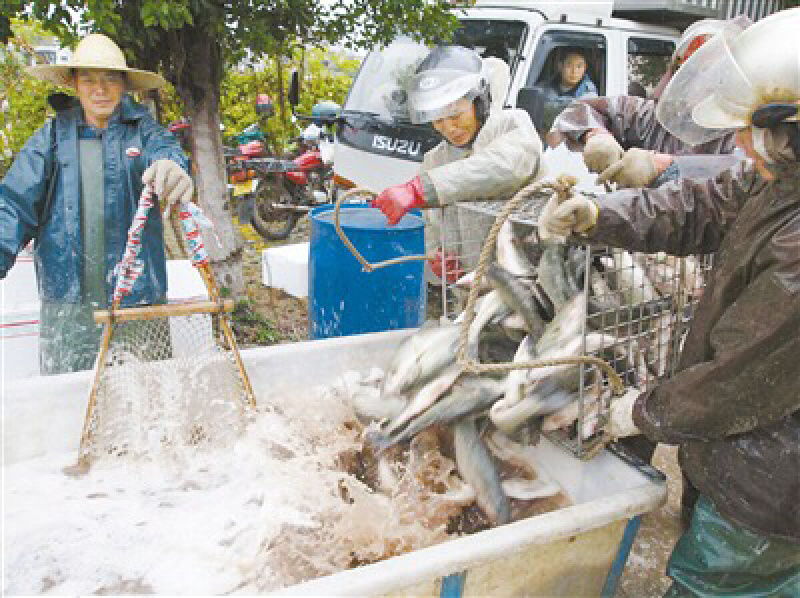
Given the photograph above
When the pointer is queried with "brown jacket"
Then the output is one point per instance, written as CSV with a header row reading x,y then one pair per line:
x,y
733,406
632,122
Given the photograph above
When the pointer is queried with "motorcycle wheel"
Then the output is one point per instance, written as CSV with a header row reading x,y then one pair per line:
x,y
273,224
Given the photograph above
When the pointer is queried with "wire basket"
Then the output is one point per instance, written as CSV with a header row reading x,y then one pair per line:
x,y
641,304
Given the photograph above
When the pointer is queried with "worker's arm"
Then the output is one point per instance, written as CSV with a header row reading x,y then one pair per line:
x,y
23,193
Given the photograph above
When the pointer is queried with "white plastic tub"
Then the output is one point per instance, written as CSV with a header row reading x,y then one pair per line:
x,y
568,552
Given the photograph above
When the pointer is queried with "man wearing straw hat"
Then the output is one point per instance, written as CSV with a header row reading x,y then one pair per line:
x,y
74,188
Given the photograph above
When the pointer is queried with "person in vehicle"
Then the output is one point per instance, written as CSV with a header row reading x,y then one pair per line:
x,y
623,132
74,188
485,152
733,405
572,79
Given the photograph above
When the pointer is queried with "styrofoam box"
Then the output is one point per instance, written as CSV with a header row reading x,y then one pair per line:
x,y
286,268
19,314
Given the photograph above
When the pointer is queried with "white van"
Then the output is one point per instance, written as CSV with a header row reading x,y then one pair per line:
x,y
376,145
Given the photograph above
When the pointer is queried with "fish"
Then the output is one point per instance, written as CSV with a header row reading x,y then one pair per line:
x,y
510,255
518,297
515,380
538,391
541,399
370,405
423,400
568,374
470,394
552,276
468,280
420,357
566,325
537,485
492,308
590,412
630,279
575,269
476,467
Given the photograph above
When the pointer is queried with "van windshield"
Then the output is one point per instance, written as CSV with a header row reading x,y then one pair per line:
x,y
379,89
488,37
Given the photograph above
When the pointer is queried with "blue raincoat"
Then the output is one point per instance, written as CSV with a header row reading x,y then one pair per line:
x,y
40,199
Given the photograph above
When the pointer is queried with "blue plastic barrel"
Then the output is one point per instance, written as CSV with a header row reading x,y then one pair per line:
x,y
343,299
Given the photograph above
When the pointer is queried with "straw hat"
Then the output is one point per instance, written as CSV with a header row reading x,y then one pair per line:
x,y
96,51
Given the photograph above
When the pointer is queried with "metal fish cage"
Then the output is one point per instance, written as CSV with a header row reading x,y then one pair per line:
x,y
642,303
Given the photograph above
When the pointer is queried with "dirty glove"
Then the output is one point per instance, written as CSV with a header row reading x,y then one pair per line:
x,y
621,416
636,169
451,265
171,182
396,201
575,215
601,151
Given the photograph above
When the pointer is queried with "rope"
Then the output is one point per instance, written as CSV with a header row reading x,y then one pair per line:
x,y
368,266
562,188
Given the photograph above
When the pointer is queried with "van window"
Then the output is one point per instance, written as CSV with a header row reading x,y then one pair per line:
x,y
501,39
548,87
647,62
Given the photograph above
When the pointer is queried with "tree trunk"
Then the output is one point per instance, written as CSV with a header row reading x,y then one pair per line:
x,y
199,84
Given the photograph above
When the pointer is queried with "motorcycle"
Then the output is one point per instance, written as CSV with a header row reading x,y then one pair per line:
x,y
283,190
289,188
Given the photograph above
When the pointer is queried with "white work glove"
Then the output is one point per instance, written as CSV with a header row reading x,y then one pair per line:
x,y
170,182
621,416
636,169
601,151
575,215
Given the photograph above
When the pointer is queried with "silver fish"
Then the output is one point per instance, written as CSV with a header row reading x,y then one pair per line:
x,y
509,254
552,276
514,385
369,404
541,399
630,279
566,325
468,395
420,357
518,297
475,465
538,485
492,308
424,398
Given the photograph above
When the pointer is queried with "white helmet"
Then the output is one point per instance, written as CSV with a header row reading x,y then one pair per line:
x,y
728,78
446,75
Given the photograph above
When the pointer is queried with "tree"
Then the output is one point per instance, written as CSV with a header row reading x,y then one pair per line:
x,y
192,42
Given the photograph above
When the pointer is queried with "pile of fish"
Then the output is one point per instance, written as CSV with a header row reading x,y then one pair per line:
x,y
540,300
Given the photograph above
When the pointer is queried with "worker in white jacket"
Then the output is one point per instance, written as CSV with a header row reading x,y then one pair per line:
x,y
486,152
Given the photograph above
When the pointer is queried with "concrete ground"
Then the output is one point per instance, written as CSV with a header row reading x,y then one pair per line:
x,y
644,574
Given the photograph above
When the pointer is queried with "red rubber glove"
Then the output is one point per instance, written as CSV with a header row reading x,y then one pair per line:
x,y
396,201
451,265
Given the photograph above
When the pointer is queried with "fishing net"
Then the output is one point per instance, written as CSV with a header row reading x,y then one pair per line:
x,y
167,376
166,382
